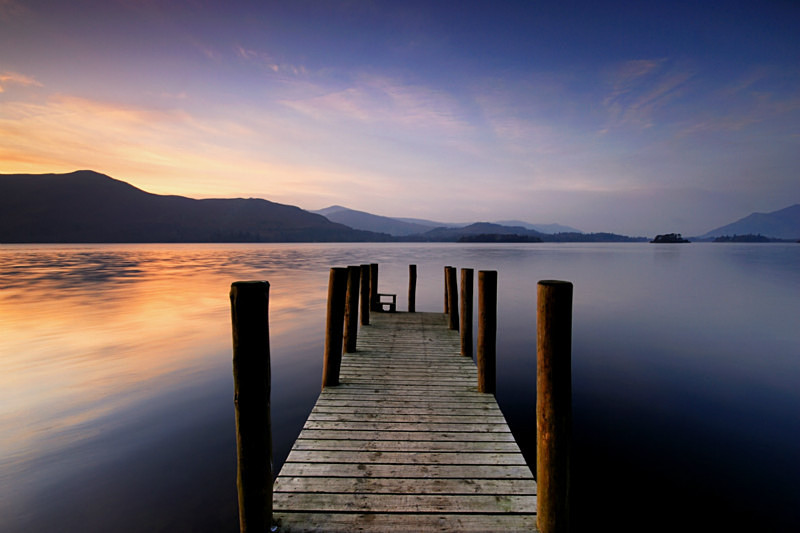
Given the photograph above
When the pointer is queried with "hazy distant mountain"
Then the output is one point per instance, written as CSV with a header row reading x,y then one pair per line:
x,y
433,224
542,228
781,224
484,229
412,226
369,222
85,206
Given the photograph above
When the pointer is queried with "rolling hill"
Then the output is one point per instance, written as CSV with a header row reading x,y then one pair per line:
x,y
87,206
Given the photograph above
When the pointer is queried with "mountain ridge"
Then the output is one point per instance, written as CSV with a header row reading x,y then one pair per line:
x,y
781,224
402,227
87,206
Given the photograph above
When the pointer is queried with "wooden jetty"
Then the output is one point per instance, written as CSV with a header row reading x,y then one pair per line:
x,y
406,434
405,442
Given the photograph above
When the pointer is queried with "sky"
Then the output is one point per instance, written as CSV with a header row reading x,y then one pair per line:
x,y
631,117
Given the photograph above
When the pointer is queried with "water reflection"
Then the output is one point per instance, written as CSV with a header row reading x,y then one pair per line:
x,y
115,373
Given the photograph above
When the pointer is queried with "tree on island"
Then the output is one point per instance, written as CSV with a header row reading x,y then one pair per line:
x,y
669,238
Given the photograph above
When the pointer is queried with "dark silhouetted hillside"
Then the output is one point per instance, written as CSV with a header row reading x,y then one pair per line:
x,y
86,206
445,234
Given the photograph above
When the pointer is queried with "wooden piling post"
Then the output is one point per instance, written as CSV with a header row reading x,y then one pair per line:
x,y
374,304
412,288
446,294
452,297
337,294
487,331
252,382
365,295
553,403
467,277
351,309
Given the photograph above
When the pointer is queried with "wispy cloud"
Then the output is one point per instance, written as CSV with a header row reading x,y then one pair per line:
x,y
640,89
266,60
14,78
759,97
381,100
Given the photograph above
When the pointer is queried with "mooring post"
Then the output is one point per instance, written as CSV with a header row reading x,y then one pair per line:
x,y
452,297
553,403
446,294
365,295
412,288
466,311
487,331
337,294
251,400
374,304
351,309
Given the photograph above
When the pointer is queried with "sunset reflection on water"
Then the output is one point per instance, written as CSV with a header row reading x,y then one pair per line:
x,y
89,333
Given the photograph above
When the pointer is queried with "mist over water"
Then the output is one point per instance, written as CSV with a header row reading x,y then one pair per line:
x,y
116,393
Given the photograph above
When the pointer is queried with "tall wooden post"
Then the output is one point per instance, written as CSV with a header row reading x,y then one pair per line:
x,y
251,400
466,311
351,309
487,331
374,304
337,294
446,295
452,297
365,288
553,404
412,288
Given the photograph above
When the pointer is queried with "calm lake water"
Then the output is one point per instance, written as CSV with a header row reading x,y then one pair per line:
x,y
116,389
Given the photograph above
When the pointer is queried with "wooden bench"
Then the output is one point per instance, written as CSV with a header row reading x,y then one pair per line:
x,y
392,304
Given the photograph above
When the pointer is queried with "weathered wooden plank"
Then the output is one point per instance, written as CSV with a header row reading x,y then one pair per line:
x,y
404,436
407,426
406,446
391,523
330,397
415,374
405,458
404,503
353,485
410,409
407,394
385,388
412,471
415,418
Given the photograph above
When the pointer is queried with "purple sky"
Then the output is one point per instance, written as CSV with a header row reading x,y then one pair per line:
x,y
632,117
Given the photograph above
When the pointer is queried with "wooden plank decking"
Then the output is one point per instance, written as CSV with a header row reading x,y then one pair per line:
x,y
405,443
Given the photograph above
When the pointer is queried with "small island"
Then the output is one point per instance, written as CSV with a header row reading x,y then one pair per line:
x,y
669,238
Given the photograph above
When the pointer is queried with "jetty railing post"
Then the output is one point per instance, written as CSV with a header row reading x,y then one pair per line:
x,y
374,304
446,294
467,283
365,295
412,288
337,294
452,297
553,403
351,309
486,356
252,382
